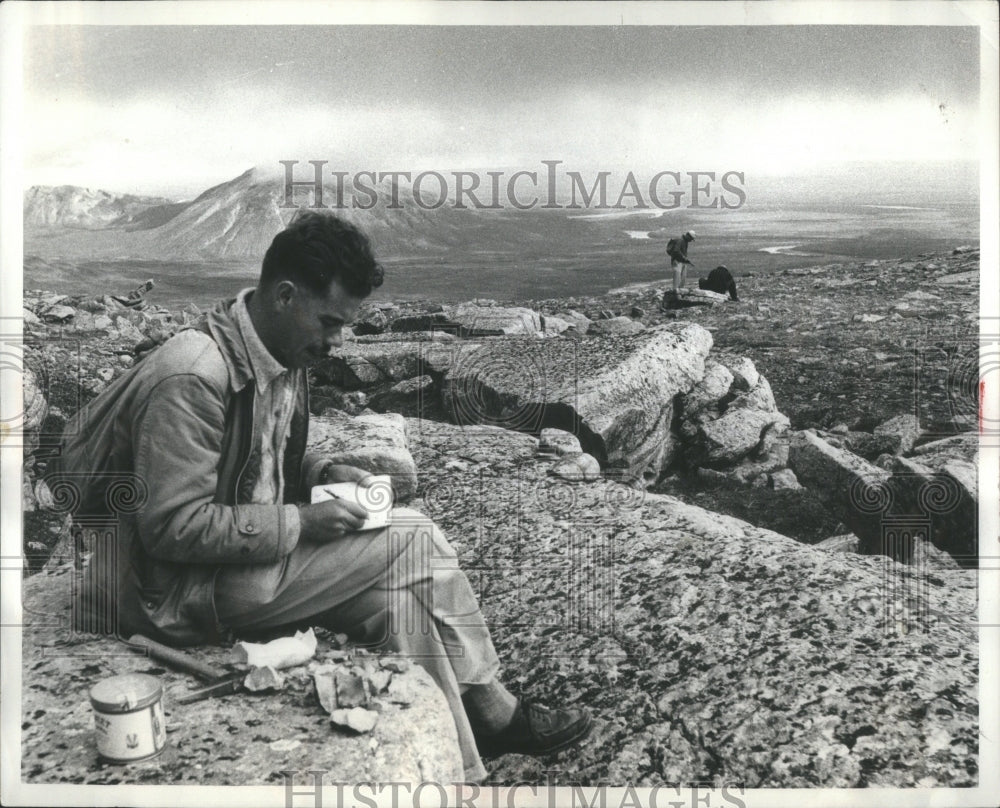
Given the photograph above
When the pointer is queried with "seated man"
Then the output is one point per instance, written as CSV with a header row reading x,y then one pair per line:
x,y
719,280
214,422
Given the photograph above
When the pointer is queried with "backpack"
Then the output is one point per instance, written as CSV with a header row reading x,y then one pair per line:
x,y
85,477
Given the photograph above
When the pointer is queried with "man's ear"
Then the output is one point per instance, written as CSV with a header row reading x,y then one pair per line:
x,y
284,293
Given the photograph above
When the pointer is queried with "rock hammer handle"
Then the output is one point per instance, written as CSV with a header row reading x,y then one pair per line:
x,y
177,659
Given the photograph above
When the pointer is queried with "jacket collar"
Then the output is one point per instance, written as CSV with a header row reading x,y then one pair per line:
x,y
227,336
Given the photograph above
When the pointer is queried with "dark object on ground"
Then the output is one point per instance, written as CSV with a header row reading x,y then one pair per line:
x,y
536,730
719,280
135,297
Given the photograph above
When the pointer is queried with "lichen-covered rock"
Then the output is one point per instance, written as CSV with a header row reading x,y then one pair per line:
x,y
733,435
708,650
616,396
371,441
485,321
577,468
745,374
711,388
559,442
686,297
931,497
578,322
616,325
553,325
36,407
240,739
848,485
902,431
843,543
784,480
405,394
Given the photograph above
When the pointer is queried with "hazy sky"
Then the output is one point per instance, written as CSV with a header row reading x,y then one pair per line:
x,y
174,110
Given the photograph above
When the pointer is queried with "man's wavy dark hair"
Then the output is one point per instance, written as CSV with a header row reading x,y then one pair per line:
x,y
316,248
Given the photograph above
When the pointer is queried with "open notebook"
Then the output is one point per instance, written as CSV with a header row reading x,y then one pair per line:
x,y
376,498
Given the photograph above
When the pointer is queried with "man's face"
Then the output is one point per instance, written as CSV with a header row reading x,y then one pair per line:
x,y
308,324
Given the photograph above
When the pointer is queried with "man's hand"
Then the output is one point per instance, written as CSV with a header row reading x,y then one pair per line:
x,y
329,520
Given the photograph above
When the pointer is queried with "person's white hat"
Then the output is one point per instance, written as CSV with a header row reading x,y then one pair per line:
x,y
690,234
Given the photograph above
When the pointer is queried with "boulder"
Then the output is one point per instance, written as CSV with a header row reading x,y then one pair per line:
x,y
409,336
902,431
712,387
686,297
784,480
745,374
365,366
486,321
431,321
851,487
559,442
617,396
944,492
372,441
405,394
371,321
732,436
36,407
242,739
844,543
932,498
553,325
577,321
577,468
749,468
709,650
58,314
615,326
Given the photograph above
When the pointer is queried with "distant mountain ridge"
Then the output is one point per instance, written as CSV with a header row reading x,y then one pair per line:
x,y
234,220
83,208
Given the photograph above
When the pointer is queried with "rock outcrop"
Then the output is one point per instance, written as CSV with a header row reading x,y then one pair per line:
x,y
709,650
241,739
370,441
730,424
932,497
617,395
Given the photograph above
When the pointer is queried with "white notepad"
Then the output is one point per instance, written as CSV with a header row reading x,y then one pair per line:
x,y
376,498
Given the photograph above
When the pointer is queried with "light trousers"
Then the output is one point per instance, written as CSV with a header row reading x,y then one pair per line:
x,y
398,588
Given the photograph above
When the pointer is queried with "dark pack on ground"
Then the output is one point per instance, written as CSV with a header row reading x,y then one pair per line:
x,y
719,280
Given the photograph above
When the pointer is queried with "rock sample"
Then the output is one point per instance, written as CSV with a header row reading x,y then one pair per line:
x,y
242,739
371,441
616,395
708,649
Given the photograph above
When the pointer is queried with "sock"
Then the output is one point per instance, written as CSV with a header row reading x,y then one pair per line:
x,y
490,706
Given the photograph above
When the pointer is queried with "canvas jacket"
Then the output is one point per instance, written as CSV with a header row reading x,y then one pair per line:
x,y
182,423
677,249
